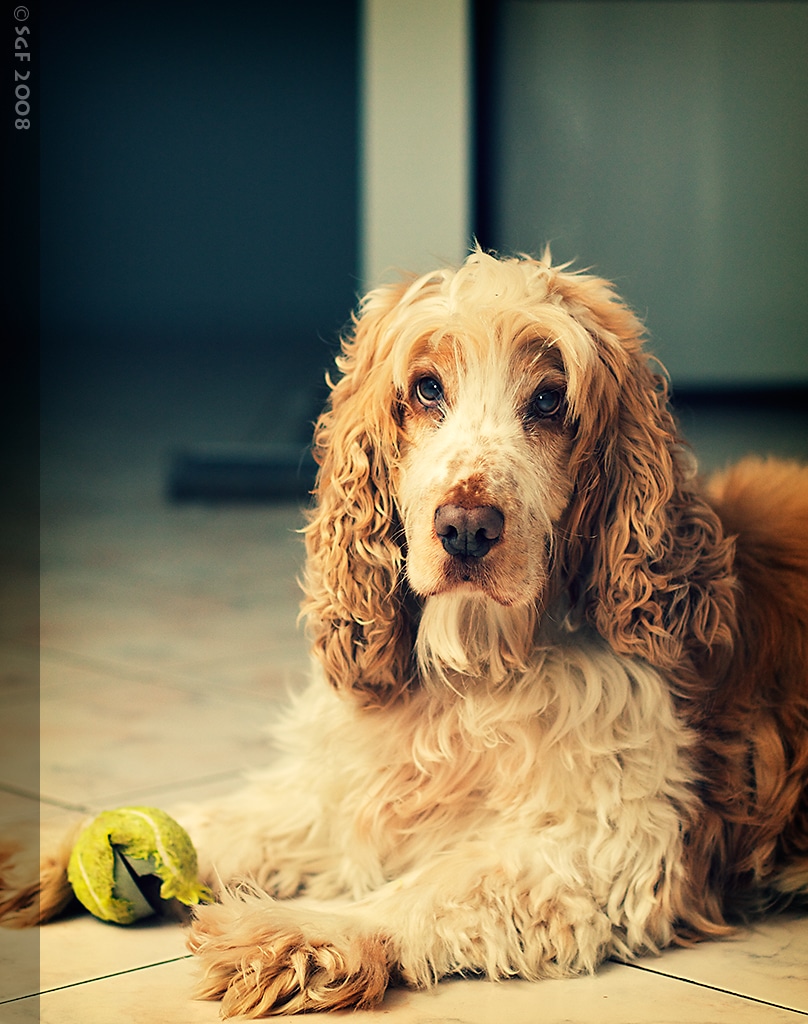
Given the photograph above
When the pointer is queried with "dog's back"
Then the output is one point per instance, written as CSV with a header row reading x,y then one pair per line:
x,y
755,721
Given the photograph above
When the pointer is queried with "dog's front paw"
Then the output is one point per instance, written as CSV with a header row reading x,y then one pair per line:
x,y
261,957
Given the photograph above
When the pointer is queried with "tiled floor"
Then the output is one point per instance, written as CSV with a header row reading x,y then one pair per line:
x,y
168,636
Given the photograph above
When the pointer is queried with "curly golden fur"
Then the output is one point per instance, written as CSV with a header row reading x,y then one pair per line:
x,y
566,704
642,550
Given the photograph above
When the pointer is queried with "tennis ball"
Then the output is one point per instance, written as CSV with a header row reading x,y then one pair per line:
x,y
117,854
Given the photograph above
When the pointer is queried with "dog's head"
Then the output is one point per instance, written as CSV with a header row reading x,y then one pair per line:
x,y
497,432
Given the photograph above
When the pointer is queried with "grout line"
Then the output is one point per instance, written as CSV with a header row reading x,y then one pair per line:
x,y
41,798
101,977
65,805
189,956
713,988
6,787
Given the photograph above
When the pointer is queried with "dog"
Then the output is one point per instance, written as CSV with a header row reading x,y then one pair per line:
x,y
559,710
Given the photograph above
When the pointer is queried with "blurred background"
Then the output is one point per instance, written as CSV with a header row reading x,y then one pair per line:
x,y
199,245
220,183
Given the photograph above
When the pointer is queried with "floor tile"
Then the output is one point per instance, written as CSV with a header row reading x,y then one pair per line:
x,y
269,675
82,948
23,1012
145,625
20,827
157,995
105,737
19,745
616,996
768,962
222,548
19,965
16,808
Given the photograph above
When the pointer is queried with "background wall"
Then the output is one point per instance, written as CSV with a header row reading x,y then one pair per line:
x,y
665,145
417,135
219,183
199,244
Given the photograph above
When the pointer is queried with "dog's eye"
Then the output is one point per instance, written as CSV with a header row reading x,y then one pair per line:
x,y
429,392
546,403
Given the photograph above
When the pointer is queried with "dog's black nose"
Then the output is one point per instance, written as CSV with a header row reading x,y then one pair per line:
x,y
468,532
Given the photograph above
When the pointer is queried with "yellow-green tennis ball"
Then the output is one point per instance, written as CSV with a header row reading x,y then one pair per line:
x,y
117,847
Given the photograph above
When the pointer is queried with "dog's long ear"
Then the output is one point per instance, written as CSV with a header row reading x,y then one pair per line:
x,y
654,569
356,602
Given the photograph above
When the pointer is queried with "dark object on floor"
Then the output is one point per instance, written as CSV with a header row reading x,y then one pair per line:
x,y
223,473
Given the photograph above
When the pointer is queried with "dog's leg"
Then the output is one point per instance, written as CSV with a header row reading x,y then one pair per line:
x,y
276,832
471,911
263,956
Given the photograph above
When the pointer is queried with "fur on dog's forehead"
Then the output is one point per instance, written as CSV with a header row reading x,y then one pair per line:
x,y
486,308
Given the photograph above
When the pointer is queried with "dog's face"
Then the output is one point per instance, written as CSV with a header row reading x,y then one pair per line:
x,y
500,380
497,433
484,471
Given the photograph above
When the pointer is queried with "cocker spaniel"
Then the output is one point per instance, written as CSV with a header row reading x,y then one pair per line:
x,y
560,707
